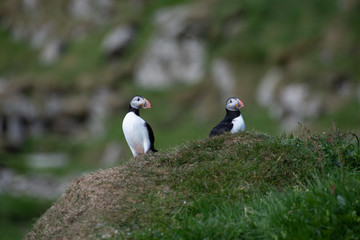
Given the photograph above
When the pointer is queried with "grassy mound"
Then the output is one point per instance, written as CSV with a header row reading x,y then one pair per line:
x,y
246,185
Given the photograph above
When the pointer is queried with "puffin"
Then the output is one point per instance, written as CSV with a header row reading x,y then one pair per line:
x,y
233,121
138,133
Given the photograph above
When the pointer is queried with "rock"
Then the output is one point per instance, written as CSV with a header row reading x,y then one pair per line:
x,y
179,22
223,78
51,52
168,61
57,112
171,58
265,94
297,98
298,104
171,22
19,112
47,160
53,106
36,128
341,85
117,40
30,6
111,154
91,10
35,34
39,35
98,111
292,97
291,103
81,9
36,186
19,105
14,133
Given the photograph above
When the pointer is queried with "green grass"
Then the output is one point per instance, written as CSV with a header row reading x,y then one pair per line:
x,y
312,212
269,26
278,193
15,56
346,118
17,214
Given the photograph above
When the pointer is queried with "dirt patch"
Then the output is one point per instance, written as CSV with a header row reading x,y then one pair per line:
x,y
244,137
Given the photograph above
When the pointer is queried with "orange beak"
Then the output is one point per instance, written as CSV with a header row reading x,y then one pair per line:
x,y
147,104
240,105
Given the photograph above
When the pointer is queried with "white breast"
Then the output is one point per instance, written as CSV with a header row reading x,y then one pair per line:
x,y
136,134
239,124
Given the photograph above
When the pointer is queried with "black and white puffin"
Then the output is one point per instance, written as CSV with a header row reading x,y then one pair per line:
x,y
233,121
138,133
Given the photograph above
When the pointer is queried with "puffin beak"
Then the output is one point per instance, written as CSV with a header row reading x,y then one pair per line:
x,y
239,104
147,104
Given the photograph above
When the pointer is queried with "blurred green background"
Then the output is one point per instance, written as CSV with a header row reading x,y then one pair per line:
x,y
68,70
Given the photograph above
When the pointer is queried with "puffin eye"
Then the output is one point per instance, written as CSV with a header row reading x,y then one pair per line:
x,y
230,101
138,99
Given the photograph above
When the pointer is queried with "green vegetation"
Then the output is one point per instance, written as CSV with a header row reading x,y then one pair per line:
x,y
235,186
21,210
327,209
13,55
343,117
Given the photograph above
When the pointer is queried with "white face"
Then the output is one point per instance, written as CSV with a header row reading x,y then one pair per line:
x,y
140,102
234,104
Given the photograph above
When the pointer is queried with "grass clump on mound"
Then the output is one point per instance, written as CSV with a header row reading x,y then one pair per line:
x,y
323,210
246,185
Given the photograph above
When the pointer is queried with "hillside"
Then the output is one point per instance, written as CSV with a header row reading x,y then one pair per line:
x,y
246,185
68,70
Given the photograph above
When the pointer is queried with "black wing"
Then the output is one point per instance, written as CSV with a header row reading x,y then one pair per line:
x,y
151,136
222,127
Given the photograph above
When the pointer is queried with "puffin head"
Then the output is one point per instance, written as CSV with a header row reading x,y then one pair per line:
x,y
234,104
140,102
